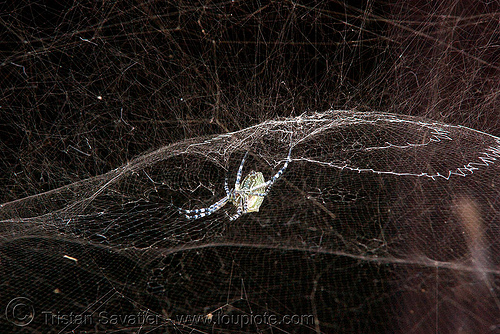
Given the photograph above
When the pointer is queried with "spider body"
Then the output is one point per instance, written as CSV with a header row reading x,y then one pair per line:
x,y
246,196
252,199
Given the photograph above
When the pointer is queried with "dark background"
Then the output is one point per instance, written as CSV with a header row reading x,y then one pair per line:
x,y
87,86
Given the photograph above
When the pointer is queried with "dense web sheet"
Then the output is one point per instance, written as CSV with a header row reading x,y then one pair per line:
x,y
370,204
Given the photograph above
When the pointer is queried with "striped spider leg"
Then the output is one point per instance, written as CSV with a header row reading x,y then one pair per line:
x,y
247,196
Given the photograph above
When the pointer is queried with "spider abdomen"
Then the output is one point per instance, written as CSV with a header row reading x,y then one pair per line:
x,y
251,192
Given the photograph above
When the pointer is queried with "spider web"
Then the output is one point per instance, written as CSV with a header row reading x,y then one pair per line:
x,y
116,114
334,201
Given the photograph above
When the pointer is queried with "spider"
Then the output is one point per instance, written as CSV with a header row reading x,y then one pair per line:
x,y
246,197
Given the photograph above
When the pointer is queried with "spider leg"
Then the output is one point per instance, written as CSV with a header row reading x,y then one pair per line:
x,y
256,194
236,216
226,187
244,200
200,213
276,176
242,208
238,176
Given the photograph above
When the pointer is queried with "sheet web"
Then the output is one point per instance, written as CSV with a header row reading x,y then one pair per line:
x,y
376,213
